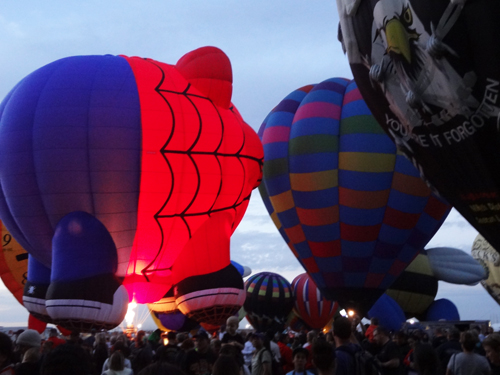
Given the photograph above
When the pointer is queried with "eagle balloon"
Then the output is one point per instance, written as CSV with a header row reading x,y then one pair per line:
x,y
430,73
155,152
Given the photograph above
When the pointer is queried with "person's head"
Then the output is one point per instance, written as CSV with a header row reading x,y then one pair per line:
x,y
6,350
32,355
491,345
181,337
66,359
468,339
355,320
380,335
100,338
438,332
47,346
453,334
116,361
232,325
401,338
53,332
187,345
284,338
74,337
311,336
139,339
28,339
257,340
161,368
374,321
120,347
300,359
202,341
425,359
342,328
323,357
229,350
172,338
226,365
216,345
192,362
414,339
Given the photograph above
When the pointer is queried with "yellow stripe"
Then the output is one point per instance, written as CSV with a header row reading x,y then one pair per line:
x,y
420,265
314,181
366,162
276,221
282,202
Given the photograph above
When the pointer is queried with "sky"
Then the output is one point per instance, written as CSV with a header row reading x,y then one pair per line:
x,y
274,46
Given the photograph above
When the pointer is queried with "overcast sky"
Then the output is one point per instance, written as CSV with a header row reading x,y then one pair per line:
x,y
274,46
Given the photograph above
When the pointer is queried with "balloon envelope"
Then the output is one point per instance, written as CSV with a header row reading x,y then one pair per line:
x,y
352,210
13,265
388,313
268,302
430,73
489,258
455,266
310,305
156,152
442,309
415,289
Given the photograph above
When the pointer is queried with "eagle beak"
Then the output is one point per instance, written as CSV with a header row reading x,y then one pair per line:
x,y
397,39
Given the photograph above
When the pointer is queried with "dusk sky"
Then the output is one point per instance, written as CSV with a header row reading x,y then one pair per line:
x,y
275,47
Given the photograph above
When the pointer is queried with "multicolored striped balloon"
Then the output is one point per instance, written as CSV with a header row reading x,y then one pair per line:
x,y
415,289
268,302
351,208
314,309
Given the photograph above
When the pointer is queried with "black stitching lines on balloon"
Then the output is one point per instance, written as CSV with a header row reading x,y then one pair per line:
x,y
191,154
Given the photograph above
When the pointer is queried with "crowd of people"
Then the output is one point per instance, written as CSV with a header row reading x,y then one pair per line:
x,y
350,348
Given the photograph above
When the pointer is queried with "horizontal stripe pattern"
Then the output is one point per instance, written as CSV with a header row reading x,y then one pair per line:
x,y
351,208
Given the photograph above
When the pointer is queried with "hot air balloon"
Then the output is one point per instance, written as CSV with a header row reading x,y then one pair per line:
x,y
174,321
352,210
13,264
269,300
430,73
310,305
442,309
388,312
455,266
415,289
156,152
489,258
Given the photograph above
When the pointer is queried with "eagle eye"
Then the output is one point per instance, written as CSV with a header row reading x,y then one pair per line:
x,y
407,16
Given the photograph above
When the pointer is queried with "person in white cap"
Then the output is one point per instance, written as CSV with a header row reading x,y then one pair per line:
x,y
28,346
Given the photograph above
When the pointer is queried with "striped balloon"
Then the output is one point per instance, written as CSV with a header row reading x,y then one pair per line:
x,y
352,210
415,289
314,309
268,302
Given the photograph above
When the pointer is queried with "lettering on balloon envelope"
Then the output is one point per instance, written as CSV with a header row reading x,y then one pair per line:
x,y
430,74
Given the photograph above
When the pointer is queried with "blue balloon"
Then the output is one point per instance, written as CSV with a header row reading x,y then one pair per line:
x,y
442,309
388,312
239,267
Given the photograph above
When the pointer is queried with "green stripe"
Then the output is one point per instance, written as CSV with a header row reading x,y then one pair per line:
x,y
312,144
360,124
276,167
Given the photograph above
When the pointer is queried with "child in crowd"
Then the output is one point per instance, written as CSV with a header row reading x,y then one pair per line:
x,y
299,362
